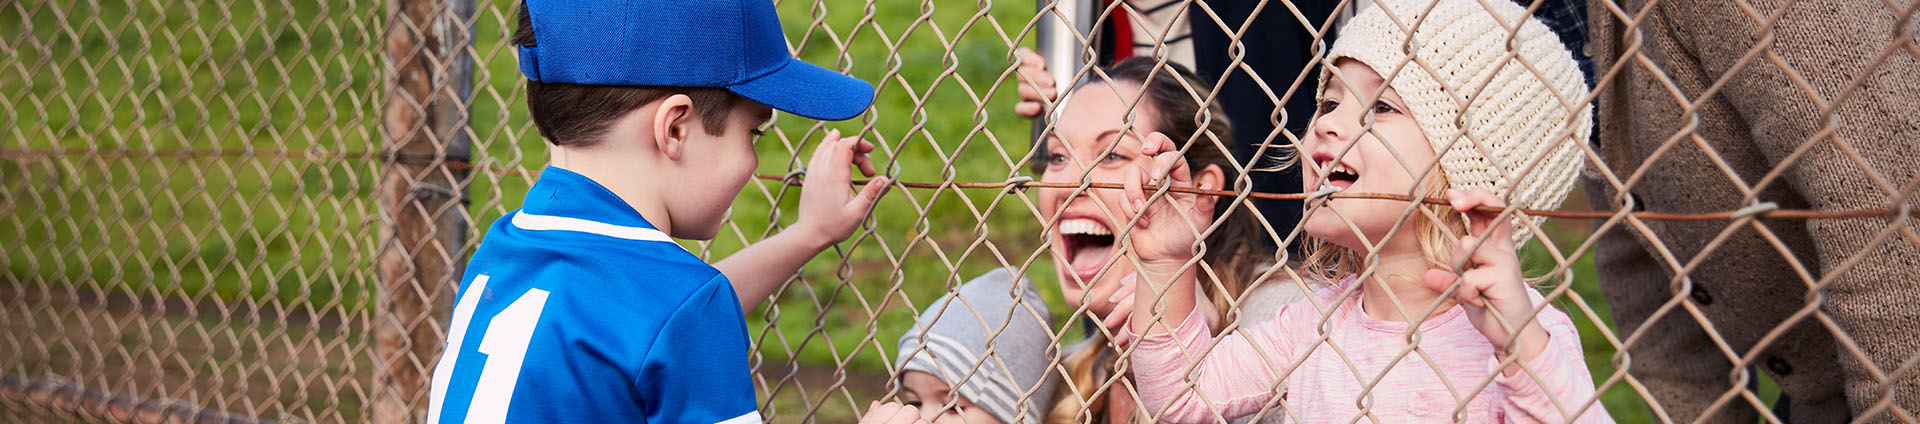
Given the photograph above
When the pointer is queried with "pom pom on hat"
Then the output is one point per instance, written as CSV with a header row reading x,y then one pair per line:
x,y
1502,109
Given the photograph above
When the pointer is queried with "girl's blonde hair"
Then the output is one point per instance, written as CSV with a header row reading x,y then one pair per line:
x,y
1437,227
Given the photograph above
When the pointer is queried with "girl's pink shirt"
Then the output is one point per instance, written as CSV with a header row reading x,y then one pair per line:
x,y
1242,373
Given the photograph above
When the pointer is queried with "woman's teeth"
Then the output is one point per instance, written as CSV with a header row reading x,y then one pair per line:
x,y
1084,226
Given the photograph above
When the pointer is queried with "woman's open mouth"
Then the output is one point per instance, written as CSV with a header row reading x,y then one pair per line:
x,y
1089,244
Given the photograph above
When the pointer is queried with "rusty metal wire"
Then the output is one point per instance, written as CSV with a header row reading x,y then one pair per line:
x,y
1761,211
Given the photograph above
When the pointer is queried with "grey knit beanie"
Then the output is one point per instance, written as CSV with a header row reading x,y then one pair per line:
x,y
999,323
1501,107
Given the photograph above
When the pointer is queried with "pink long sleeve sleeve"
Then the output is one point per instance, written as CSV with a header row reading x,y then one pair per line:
x,y
1237,377
1562,374
1362,371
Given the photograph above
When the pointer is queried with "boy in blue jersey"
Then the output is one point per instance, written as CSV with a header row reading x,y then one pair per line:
x,y
580,307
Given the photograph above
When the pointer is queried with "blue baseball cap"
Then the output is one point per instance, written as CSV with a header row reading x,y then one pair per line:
x,y
735,44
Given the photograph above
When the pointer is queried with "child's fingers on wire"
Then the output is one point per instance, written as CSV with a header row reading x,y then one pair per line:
x,y
879,412
871,194
895,413
1136,199
1170,168
863,157
1497,249
823,154
1439,280
1465,255
843,155
1475,251
1468,293
1479,222
1155,143
1479,281
905,414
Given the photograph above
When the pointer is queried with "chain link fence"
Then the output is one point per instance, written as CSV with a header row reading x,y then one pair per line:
x,y
225,211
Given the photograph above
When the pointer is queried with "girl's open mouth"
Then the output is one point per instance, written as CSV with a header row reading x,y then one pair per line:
x,y
1339,175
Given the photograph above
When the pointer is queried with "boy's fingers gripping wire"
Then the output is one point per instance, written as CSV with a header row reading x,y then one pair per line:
x,y
827,204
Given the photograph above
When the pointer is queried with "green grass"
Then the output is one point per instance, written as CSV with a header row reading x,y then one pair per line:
x,y
307,77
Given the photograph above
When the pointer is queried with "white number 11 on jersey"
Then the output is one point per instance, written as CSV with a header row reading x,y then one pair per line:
x,y
505,345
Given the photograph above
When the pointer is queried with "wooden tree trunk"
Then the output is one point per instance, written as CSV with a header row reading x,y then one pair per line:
x,y
423,193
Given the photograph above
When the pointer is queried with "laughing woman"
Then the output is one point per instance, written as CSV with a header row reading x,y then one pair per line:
x,y
1093,142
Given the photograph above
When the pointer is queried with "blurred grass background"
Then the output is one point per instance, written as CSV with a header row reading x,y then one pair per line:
x,y
293,233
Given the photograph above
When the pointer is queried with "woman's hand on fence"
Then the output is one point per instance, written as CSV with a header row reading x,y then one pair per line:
x,y
891,413
1490,277
828,208
1036,85
1123,301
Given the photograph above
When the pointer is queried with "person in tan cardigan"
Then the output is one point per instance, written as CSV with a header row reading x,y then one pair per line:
x,y
1828,308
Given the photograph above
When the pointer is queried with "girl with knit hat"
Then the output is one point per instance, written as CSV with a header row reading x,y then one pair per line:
x,y
980,354
1471,101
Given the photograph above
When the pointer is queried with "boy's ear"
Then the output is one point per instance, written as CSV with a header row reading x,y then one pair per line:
x,y
673,120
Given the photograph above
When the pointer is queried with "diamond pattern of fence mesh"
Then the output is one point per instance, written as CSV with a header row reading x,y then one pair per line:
x,y
258,211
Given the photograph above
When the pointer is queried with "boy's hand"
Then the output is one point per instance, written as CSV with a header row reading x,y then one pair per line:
x,y
1036,85
828,210
1490,277
891,413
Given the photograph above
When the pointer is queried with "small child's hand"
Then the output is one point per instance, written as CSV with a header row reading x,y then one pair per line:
x,y
828,210
1167,229
1036,85
1163,236
891,413
1490,277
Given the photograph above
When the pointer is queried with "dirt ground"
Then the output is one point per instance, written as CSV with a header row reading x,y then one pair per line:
x,y
79,355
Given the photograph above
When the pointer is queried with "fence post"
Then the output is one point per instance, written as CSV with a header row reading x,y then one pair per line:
x,y
422,196
1058,37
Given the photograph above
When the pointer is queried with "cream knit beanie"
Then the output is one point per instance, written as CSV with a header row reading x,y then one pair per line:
x,y
1503,127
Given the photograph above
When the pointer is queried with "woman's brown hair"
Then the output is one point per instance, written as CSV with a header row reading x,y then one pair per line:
x,y
1232,258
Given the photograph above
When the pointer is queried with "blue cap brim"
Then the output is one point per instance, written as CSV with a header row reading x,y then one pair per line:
x,y
803,89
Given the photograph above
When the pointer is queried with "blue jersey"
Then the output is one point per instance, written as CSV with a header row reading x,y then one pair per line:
x,y
576,310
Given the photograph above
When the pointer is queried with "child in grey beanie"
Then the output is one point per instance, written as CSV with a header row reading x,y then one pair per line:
x,y
988,343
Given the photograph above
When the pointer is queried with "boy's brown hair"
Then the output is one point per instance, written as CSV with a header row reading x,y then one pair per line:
x,y
577,115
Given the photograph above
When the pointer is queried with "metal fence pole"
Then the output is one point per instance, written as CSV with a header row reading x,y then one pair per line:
x,y
423,192
1061,36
